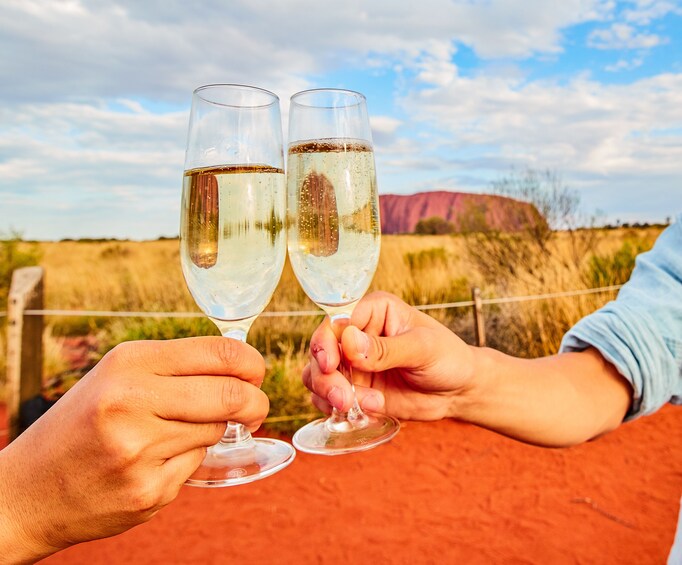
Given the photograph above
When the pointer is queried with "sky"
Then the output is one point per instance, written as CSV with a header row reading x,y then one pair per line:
x,y
95,98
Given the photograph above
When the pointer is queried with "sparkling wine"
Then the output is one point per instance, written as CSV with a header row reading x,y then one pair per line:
x,y
233,237
334,229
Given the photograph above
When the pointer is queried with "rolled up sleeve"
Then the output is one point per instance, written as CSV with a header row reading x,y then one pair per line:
x,y
640,332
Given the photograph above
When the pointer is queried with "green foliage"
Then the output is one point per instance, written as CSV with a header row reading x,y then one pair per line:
x,y
474,218
78,325
432,281
127,329
435,225
607,270
433,257
115,250
14,254
277,336
286,392
422,292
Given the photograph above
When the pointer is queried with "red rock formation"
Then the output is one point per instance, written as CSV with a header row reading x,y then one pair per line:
x,y
400,213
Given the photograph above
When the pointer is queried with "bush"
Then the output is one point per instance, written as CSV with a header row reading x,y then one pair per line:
x,y
607,270
433,257
434,225
288,397
432,279
14,254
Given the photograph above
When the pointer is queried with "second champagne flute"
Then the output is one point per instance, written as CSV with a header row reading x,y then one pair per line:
x,y
233,243
334,238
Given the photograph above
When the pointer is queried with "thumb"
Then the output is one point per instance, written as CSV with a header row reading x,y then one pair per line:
x,y
378,353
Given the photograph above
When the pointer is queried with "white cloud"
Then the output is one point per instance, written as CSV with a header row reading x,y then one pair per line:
x,y
162,50
95,95
622,36
605,139
583,125
624,65
644,12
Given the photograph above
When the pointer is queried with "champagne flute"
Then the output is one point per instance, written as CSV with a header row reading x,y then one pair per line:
x,y
233,243
334,238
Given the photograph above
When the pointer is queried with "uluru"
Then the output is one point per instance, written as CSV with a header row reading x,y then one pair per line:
x,y
464,210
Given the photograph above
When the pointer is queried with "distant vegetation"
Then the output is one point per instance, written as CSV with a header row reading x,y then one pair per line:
x,y
420,269
435,225
431,268
14,254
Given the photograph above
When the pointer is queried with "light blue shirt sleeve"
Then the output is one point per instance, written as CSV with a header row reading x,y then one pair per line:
x,y
640,332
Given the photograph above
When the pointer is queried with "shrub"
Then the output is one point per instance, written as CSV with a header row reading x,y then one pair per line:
x,y
607,270
434,225
14,254
288,397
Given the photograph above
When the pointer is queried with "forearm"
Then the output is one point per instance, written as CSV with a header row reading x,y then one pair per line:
x,y
553,401
17,544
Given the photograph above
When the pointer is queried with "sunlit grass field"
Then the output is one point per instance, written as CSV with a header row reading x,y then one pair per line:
x,y
146,276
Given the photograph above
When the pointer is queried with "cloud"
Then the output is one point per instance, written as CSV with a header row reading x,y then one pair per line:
x,y
644,12
624,65
584,124
622,36
136,50
603,138
91,160
95,95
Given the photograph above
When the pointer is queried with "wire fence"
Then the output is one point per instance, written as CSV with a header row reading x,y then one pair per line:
x,y
303,313
475,304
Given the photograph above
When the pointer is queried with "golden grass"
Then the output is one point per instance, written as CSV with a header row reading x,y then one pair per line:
x,y
146,276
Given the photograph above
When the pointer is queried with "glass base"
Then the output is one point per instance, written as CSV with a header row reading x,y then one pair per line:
x,y
227,465
324,437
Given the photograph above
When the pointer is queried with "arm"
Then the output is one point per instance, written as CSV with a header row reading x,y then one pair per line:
x,y
119,445
553,401
623,361
408,365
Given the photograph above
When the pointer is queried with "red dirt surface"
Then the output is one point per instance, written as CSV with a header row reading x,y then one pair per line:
x,y
440,492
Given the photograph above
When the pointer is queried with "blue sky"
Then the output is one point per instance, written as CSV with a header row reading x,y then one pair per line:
x,y
95,98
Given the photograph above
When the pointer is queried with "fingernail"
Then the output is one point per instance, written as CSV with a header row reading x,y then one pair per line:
x,y
372,403
336,398
322,360
361,342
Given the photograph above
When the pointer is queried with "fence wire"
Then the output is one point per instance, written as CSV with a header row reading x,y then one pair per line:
x,y
303,313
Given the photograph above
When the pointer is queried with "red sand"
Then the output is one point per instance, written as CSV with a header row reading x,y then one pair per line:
x,y
439,493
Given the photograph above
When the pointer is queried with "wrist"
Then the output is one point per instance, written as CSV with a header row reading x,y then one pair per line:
x,y
17,542
471,400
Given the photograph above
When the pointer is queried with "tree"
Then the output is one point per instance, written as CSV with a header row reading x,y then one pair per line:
x,y
527,253
435,225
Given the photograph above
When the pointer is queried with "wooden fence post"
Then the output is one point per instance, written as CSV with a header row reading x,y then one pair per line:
x,y
479,324
24,343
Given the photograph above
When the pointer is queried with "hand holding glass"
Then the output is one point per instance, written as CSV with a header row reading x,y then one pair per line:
x,y
334,237
233,243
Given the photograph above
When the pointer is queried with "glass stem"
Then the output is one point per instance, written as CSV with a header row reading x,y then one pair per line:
x,y
235,433
355,417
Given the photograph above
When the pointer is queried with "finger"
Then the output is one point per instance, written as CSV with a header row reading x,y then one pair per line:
x,y
333,387
176,470
193,356
173,437
324,347
321,404
382,313
370,400
206,399
306,376
376,353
